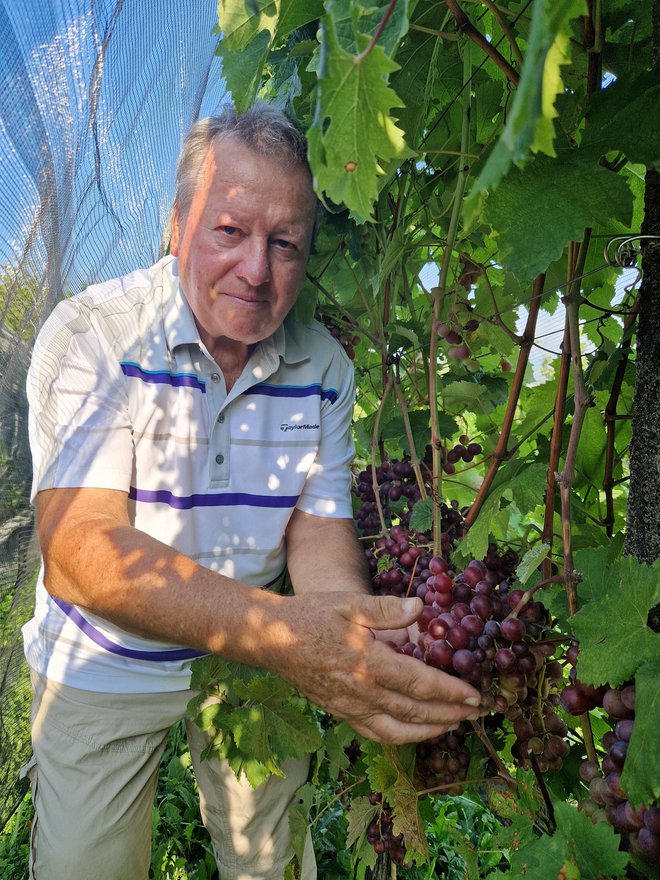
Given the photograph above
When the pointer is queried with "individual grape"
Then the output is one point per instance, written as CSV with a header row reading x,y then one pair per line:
x,y
505,660
648,845
614,706
589,770
463,662
439,653
513,629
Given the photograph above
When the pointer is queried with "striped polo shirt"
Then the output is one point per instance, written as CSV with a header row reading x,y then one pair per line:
x,y
124,395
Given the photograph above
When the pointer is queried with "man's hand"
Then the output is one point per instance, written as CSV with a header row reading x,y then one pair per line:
x,y
336,661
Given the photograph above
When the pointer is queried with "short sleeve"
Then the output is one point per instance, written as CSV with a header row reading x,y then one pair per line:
x,y
327,490
80,432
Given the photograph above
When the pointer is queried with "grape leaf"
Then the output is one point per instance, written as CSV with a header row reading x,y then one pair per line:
x,y
614,114
612,628
421,517
585,851
531,561
641,770
352,132
242,69
535,212
362,812
529,123
299,818
402,797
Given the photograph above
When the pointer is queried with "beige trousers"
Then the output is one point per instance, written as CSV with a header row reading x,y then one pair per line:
x,y
94,772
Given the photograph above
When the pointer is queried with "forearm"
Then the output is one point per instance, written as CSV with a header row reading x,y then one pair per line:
x,y
325,555
103,564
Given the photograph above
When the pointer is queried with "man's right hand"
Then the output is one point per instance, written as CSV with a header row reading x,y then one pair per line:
x,y
332,656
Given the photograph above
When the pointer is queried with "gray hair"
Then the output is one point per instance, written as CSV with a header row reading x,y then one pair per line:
x,y
262,128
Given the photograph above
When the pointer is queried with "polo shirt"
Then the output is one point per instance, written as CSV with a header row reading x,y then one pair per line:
x,y
124,395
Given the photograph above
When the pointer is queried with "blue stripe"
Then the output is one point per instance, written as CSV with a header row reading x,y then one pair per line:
x,y
135,654
294,391
163,377
227,499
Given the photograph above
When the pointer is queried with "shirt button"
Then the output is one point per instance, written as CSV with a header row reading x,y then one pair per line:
x,y
221,418
219,459
215,377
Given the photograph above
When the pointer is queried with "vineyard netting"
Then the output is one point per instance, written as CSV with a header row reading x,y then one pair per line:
x,y
95,98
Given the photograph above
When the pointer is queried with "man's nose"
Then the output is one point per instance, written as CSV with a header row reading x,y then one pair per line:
x,y
253,266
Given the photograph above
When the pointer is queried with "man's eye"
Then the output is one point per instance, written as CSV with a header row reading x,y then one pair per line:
x,y
229,230
283,244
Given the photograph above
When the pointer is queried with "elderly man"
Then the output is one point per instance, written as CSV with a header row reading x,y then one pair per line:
x,y
189,443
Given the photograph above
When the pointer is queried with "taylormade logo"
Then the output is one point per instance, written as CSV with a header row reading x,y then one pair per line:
x,y
285,427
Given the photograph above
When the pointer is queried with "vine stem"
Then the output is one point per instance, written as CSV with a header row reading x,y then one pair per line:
x,y
465,26
414,458
448,786
438,299
555,449
502,772
582,401
501,450
525,599
515,48
611,416
374,446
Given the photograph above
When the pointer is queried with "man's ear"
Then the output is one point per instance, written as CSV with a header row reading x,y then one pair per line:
x,y
175,233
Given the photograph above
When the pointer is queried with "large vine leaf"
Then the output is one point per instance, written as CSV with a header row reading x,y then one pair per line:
x,y
612,628
583,850
255,719
529,124
352,134
249,29
614,116
538,210
641,770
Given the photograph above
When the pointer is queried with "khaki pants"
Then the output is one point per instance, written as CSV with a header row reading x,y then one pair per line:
x,y
94,772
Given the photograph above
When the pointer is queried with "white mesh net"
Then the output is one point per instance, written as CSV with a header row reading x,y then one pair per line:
x,y
95,99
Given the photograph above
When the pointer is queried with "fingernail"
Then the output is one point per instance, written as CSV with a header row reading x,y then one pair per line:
x,y
410,605
472,701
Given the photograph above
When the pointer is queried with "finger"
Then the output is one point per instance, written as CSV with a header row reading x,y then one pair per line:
x,y
409,676
379,612
385,729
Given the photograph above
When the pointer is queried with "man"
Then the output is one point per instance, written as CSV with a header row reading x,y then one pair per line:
x,y
188,443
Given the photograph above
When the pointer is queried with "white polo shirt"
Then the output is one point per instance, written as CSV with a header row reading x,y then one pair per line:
x,y
123,395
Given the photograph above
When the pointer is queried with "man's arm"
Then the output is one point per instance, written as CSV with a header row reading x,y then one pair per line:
x,y
319,640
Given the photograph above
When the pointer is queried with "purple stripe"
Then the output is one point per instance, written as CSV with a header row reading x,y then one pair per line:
x,y
163,377
91,632
227,499
294,391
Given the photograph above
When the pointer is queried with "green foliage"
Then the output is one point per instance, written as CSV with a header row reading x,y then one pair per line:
x,y
456,179
256,720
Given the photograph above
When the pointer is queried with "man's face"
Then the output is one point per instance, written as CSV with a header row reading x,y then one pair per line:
x,y
243,245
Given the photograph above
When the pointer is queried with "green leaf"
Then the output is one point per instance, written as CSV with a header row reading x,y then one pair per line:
x,y
421,517
641,770
612,628
299,818
352,133
584,850
536,212
362,812
529,124
531,561
242,69
613,119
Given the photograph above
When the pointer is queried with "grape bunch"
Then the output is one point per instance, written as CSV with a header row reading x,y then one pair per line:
x,y
578,697
464,450
443,761
640,827
469,628
346,338
381,835
453,332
